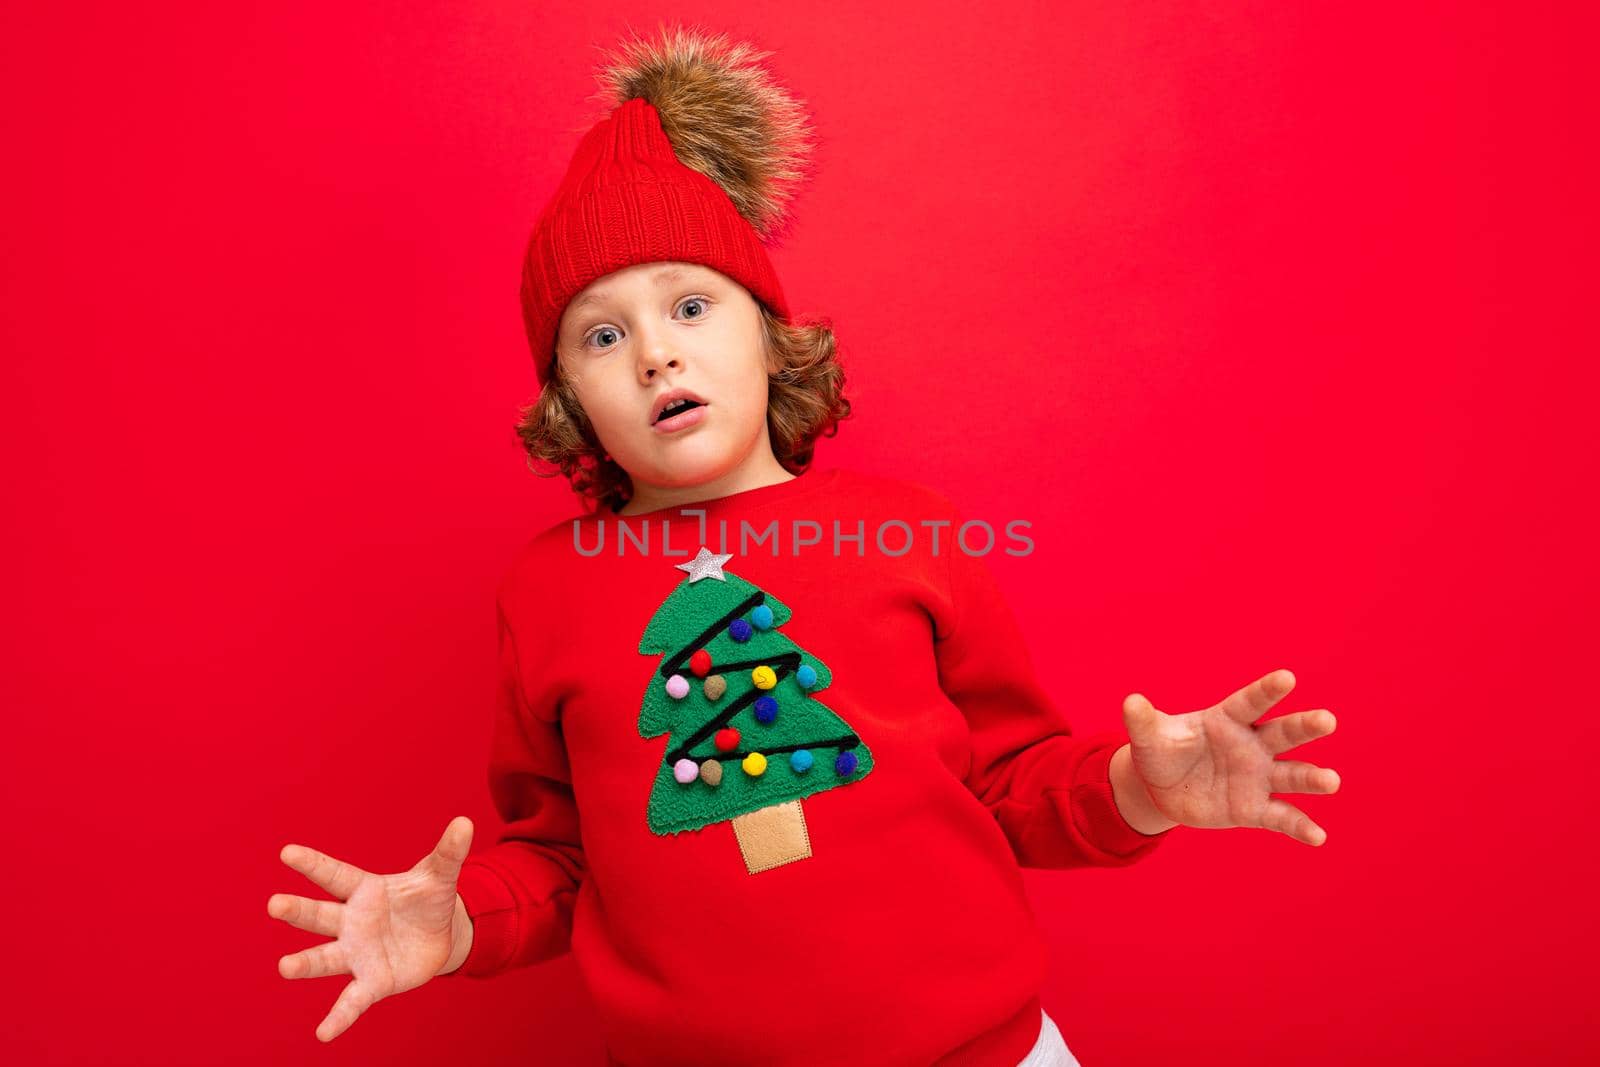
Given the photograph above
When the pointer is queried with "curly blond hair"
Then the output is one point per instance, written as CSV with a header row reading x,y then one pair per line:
x,y
805,401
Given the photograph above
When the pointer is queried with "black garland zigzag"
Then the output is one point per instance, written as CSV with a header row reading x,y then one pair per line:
x,y
783,666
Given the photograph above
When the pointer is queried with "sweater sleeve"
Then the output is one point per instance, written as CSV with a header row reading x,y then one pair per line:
x,y
520,891
1049,789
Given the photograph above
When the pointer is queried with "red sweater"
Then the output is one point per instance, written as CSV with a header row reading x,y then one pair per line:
x,y
805,782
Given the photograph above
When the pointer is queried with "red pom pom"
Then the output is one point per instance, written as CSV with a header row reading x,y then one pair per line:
x,y
727,739
700,663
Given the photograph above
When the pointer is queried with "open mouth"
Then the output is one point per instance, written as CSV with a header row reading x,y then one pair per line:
x,y
677,407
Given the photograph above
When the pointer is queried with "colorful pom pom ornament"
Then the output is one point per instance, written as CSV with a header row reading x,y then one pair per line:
x,y
677,687
766,709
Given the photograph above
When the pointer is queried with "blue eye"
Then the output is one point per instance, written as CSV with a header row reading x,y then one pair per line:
x,y
701,301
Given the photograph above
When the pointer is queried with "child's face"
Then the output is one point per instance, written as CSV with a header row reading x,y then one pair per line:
x,y
655,327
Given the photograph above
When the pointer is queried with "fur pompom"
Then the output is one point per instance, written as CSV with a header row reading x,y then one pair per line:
x,y
724,114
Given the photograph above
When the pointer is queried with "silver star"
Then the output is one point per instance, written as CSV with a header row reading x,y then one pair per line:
x,y
706,564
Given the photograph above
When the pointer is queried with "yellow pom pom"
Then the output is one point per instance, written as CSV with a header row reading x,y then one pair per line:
x,y
755,764
764,677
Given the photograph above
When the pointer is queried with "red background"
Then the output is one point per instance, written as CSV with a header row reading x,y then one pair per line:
x,y
1268,318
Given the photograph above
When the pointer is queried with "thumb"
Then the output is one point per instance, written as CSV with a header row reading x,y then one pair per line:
x,y
447,856
1138,715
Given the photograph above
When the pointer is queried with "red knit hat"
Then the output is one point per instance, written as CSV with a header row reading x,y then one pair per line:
x,y
696,162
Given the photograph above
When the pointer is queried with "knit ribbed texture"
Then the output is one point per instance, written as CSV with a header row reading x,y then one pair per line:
x,y
626,199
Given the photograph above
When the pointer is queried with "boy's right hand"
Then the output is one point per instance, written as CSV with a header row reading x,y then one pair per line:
x,y
392,932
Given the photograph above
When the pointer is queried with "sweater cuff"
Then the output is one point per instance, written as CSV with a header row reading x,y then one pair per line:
x,y
493,911
1095,797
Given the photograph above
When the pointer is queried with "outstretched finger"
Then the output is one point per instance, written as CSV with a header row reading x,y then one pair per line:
x,y
1256,699
319,961
303,913
1285,818
1290,731
354,999
1298,776
336,876
447,856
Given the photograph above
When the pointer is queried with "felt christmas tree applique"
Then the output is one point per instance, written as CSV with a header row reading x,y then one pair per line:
x,y
748,739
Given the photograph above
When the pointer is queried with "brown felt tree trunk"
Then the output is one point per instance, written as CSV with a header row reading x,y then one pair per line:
x,y
772,836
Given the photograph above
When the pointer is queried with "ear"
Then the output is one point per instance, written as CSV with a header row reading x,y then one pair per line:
x,y
769,348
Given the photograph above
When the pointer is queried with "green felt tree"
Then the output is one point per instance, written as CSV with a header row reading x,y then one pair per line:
x,y
747,736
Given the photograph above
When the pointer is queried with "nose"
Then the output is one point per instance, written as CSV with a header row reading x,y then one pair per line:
x,y
655,353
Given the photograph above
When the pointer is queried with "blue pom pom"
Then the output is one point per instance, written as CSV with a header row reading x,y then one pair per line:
x,y
845,764
800,761
761,615
739,630
766,709
806,676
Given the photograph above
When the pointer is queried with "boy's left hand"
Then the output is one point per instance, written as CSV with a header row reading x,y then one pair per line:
x,y
1217,767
